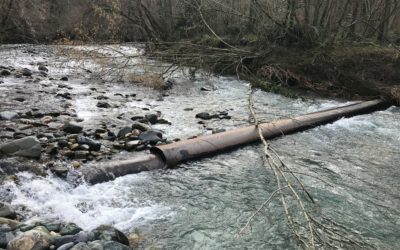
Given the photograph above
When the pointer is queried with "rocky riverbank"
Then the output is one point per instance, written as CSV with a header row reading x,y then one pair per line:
x,y
15,235
44,130
40,132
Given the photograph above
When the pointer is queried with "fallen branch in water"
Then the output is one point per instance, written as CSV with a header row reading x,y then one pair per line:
x,y
309,232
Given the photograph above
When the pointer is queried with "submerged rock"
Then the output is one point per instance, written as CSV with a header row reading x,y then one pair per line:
x,y
30,240
7,211
27,147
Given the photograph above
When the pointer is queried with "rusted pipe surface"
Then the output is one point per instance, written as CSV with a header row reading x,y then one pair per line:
x,y
113,169
201,146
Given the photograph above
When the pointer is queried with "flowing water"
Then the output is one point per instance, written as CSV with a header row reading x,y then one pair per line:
x,y
351,167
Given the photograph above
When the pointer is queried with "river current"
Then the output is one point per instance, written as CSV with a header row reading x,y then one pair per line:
x,y
204,203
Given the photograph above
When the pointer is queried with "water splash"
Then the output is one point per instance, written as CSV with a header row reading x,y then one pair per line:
x,y
51,198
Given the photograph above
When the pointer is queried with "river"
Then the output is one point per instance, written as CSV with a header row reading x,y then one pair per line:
x,y
203,204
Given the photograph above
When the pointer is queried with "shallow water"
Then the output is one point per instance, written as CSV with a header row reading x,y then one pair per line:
x,y
203,204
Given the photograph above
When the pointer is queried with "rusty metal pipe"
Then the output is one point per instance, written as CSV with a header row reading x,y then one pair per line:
x,y
113,169
172,154
202,146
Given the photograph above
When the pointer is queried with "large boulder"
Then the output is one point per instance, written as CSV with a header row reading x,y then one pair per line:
x,y
30,240
27,147
7,211
109,233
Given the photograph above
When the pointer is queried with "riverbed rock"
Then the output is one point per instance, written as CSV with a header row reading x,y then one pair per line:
x,y
62,143
5,72
72,128
135,239
163,121
64,78
152,118
123,131
51,226
52,149
70,229
140,126
6,235
205,89
151,137
208,116
204,116
30,240
8,115
26,72
131,145
27,147
60,171
108,245
80,237
7,211
66,246
105,105
93,145
11,223
43,68
109,233
42,229
74,146
84,246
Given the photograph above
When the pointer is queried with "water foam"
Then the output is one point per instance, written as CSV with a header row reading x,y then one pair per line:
x,y
112,203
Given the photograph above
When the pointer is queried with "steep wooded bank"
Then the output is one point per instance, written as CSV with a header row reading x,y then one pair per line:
x,y
342,48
